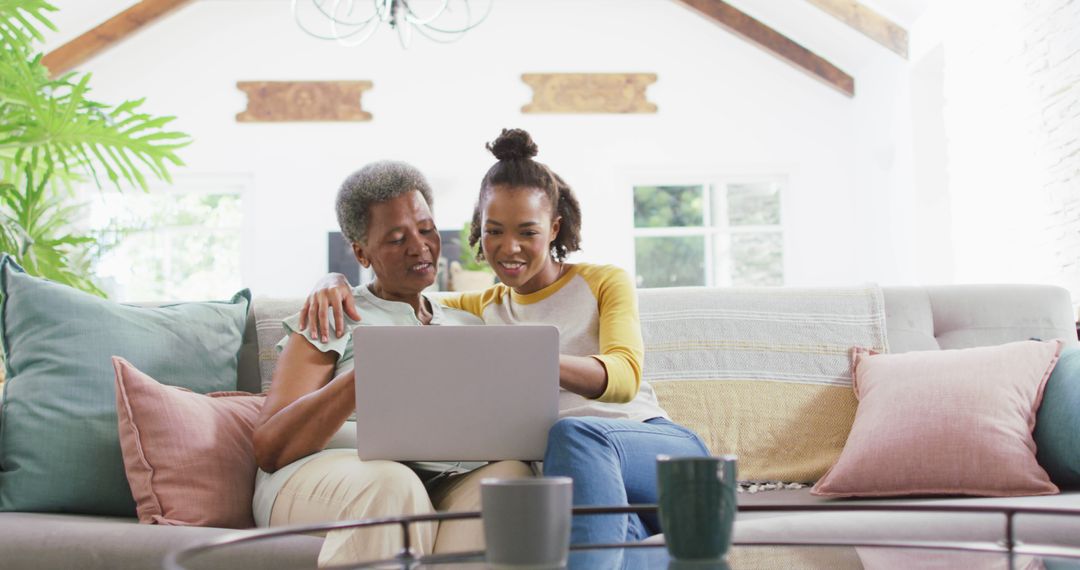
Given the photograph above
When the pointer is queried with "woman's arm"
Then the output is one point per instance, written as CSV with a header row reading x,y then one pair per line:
x,y
622,350
582,375
333,291
305,407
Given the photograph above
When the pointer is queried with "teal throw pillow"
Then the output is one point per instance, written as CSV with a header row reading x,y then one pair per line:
x,y
59,444
1058,422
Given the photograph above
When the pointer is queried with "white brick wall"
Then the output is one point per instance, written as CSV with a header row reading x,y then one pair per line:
x,y
1054,57
1012,90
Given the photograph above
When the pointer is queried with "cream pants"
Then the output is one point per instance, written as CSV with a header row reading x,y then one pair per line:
x,y
338,486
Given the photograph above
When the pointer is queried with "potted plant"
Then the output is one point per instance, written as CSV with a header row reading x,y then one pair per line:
x,y
53,135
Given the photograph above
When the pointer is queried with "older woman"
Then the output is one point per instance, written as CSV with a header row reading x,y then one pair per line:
x,y
304,443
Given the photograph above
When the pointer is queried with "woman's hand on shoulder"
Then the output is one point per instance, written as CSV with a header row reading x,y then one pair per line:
x,y
333,291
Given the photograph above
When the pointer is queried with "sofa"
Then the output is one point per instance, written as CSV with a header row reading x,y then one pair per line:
x,y
916,319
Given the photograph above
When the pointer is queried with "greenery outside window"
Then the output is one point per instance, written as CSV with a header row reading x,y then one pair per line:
x,y
719,233
179,245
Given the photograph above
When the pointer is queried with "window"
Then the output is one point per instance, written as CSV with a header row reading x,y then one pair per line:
x,y
176,243
717,233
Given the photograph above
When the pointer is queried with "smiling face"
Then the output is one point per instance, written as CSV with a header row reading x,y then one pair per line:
x,y
402,245
518,228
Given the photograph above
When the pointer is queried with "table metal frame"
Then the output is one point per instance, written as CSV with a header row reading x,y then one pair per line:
x,y
407,558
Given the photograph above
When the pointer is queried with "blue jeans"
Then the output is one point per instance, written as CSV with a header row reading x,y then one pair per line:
x,y
613,462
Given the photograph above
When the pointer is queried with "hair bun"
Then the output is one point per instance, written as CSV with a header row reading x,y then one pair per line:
x,y
513,144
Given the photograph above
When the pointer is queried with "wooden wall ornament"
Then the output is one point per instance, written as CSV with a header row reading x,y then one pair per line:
x,y
589,92
752,30
302,101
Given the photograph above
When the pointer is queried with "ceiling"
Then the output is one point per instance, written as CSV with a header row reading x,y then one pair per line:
x,y
799,20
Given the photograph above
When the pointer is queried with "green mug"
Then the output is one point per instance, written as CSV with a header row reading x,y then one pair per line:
x,y
697,505
718,564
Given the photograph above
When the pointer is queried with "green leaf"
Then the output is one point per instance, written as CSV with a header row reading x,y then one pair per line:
x,y
127,107
18,10
52,133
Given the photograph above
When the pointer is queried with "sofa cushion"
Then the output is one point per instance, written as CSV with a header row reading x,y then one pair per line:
x,y
204,478
951,422
761,373
268,314
984,315
1058,422
59,445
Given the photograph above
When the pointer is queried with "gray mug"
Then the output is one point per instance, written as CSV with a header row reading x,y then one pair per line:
x,y
527,521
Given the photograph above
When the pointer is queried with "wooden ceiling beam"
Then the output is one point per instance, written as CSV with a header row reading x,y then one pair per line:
x,y
868,22
742,24
79,50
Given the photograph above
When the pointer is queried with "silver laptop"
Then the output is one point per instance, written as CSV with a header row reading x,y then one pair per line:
x,y
455,393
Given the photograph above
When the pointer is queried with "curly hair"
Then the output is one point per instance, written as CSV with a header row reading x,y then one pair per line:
x,y
515,149
373,184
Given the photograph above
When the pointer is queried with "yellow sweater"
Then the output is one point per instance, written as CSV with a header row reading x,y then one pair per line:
x,y
595,309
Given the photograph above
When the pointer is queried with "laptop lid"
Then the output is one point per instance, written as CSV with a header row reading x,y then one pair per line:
x,y
455,393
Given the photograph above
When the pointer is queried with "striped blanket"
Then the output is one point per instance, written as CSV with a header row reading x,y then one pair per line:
x,y
761,373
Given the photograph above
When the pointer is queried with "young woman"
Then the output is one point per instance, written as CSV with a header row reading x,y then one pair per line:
x,y
611,427
304,444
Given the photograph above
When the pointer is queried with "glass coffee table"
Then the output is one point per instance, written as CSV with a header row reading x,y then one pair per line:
x,y
877,554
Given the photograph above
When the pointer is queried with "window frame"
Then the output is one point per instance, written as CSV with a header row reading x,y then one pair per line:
x,y
717,270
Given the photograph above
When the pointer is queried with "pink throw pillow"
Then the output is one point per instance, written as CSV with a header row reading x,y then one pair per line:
x,y
189,457
945,422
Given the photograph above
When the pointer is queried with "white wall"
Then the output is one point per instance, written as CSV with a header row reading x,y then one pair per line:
x,y
933,242
725,107
1012,92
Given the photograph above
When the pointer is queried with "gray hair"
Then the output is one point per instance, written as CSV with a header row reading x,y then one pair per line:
x,y
375,183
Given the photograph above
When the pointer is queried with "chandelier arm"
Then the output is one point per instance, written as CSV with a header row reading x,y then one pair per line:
x,y
468,27
365,32
387,10
333,16
412,17
343,39
304,28
340,37
426,32
404,33
370,25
